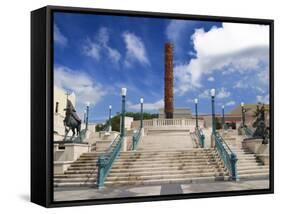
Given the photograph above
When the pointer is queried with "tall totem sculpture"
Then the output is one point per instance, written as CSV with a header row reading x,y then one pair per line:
x,y
169,79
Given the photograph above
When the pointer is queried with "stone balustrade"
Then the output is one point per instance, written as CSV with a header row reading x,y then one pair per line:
x,y
158,122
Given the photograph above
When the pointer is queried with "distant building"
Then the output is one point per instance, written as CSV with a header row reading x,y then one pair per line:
x,y
234,117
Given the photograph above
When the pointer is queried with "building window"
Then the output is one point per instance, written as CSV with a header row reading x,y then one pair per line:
x,y
57,107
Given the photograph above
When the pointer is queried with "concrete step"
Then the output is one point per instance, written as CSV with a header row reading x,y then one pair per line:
x,y
75,175
75,184
111,177
252,171
176,172
166,156
169,181
92,165
85,172
155,166
252,167
164,163
73,180
254,176
163,168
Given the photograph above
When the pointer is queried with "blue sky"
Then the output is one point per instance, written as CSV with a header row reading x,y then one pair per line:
x,y
96,55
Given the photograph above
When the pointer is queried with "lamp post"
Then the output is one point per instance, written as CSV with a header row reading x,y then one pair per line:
x,y
109,119
87,115
243,114
213,93
141,104
123,94
196,111
223,121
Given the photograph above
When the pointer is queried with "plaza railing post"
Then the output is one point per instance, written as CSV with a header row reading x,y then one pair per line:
x,y
109,119
134,142
87,115
141,104
243,114
234,159
203,140
223,120
101,171
84,118
213,92
196,111
123,94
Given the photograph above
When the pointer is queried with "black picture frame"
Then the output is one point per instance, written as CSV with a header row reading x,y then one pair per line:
x,y
42,105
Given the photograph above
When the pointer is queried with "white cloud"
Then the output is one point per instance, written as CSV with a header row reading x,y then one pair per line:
x,y
175,29
221,93
204,94
211,79
231,48
84,87
263,99
147,106
92,50
230,103
241,84
59,38
136,50
100,46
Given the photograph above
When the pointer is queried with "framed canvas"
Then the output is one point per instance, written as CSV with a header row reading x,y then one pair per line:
x,y
134,106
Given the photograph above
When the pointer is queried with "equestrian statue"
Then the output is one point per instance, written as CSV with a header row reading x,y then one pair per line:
x,y
71,121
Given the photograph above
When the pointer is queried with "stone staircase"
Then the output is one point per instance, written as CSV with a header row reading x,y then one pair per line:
x,y
82,172
248,166
166,166
159,159
164,158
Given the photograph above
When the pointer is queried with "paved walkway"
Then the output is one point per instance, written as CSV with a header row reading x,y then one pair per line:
x,y
82,193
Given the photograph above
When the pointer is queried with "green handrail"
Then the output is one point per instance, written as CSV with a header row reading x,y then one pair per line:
x,y
136,139
107,159
227,156
201,137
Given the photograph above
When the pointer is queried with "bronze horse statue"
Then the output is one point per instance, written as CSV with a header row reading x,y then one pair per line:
x,y
71,121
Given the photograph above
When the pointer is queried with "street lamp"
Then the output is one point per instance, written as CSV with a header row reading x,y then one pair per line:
x,y
123,94
243,114
109,119
84,119
141,104
213,93
223,121
87,115
196,111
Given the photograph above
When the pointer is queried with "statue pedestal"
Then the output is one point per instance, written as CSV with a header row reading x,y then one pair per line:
x,y
66,153
256,146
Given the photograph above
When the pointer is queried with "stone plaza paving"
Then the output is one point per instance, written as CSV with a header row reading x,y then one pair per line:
x,y
84,193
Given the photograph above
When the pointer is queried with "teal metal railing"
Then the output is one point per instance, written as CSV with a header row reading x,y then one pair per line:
x,y
200,136
227,156
136,139
107,159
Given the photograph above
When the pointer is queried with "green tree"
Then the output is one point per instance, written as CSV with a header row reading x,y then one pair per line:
x,y
115,121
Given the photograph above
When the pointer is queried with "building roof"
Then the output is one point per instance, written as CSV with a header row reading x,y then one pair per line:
x,y
250,109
